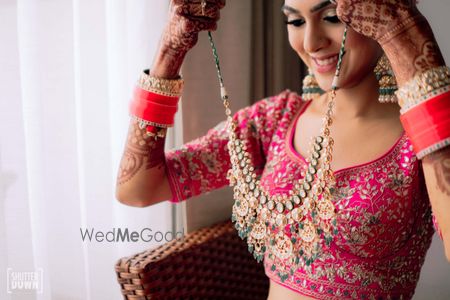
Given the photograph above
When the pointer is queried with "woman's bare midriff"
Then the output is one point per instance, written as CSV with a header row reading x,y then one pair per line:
x,y
279,292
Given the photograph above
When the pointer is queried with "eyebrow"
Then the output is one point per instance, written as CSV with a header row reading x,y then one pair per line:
x,y
289,9
320,6
315,8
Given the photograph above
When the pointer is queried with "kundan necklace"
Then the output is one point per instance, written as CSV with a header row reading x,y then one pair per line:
x,y
293,226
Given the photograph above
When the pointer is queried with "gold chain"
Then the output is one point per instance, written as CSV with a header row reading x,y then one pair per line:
x,y
309,211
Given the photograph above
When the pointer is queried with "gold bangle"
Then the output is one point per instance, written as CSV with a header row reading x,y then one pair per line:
x,y
144,123
165,87
423,87
159,131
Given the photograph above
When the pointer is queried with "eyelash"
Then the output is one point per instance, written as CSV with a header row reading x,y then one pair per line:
x,y
333,19
295,23
300,22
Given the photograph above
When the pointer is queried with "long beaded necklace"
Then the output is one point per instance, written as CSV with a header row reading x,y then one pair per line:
x,y
293,225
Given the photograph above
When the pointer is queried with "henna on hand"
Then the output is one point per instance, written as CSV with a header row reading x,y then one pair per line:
x,y
400,28
142,152
186,20
429,56
376,18
413,52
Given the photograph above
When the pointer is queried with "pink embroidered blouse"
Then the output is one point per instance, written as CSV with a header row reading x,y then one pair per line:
x,y
384,215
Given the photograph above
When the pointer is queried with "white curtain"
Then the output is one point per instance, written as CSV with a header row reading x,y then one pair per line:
x,y
67,72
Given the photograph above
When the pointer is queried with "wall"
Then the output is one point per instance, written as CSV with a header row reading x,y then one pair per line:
x,y
435,278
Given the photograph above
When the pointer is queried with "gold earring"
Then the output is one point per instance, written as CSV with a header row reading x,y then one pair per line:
x,y
386,80
311,89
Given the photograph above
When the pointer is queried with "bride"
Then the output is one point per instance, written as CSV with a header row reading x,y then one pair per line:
x,y
351,218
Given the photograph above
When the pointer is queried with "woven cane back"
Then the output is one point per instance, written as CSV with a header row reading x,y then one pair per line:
x,y
210,263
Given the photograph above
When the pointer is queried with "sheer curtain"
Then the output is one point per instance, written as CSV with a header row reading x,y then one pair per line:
x,y
67,71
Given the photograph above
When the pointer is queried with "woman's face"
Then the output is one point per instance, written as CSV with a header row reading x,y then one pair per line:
x,y
315,33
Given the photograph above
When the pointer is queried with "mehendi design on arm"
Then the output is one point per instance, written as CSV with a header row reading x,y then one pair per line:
x,y
181,33
429,57
440,162
413,52
400,28
142,152
186,21
375,18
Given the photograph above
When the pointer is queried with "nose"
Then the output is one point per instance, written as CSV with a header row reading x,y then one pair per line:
x,y
315,38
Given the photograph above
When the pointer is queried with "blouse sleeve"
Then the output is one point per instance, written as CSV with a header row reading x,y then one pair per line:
x,y
202,165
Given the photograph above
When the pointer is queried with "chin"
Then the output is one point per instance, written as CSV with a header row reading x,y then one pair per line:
x,y
325,83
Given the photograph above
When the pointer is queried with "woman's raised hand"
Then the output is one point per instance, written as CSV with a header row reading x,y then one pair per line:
x,y
400,28
380,20
186,19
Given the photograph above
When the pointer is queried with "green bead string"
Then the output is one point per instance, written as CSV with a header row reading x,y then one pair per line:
x,y
216,58
342,52
226,103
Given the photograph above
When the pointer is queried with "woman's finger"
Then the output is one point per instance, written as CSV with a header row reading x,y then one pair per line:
x,y
219,3
196,25
196,10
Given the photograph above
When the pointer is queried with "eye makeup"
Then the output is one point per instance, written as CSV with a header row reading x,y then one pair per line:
x,y
331,16
296,20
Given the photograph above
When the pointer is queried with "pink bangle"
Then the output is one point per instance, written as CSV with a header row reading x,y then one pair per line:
x,y
428,125
153,109
140,93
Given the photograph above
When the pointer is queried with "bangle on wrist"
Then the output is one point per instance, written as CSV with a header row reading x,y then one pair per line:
x,y
152,129
155,103
424,86
428,125
154,108
165,87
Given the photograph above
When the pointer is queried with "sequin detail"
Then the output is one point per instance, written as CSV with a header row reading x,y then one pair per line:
x,y
384,216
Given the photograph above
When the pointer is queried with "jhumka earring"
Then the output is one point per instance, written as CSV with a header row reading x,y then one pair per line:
x,y
311,89
386,80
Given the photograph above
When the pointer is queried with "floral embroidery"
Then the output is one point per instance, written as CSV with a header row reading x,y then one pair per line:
x,y
384,215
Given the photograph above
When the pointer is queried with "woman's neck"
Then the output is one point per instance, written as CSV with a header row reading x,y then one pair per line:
x,y
360,102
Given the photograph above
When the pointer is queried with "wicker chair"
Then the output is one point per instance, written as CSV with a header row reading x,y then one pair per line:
x,y
210,263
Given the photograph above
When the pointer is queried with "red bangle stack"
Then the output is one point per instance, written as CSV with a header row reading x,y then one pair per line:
x,y
428,125
155,103
154,109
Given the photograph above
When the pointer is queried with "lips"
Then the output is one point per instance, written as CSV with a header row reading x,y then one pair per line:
x,y
326,64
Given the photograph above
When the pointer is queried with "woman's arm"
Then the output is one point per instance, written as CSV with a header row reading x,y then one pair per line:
x,y
142,178
410,45
412,53
436,167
